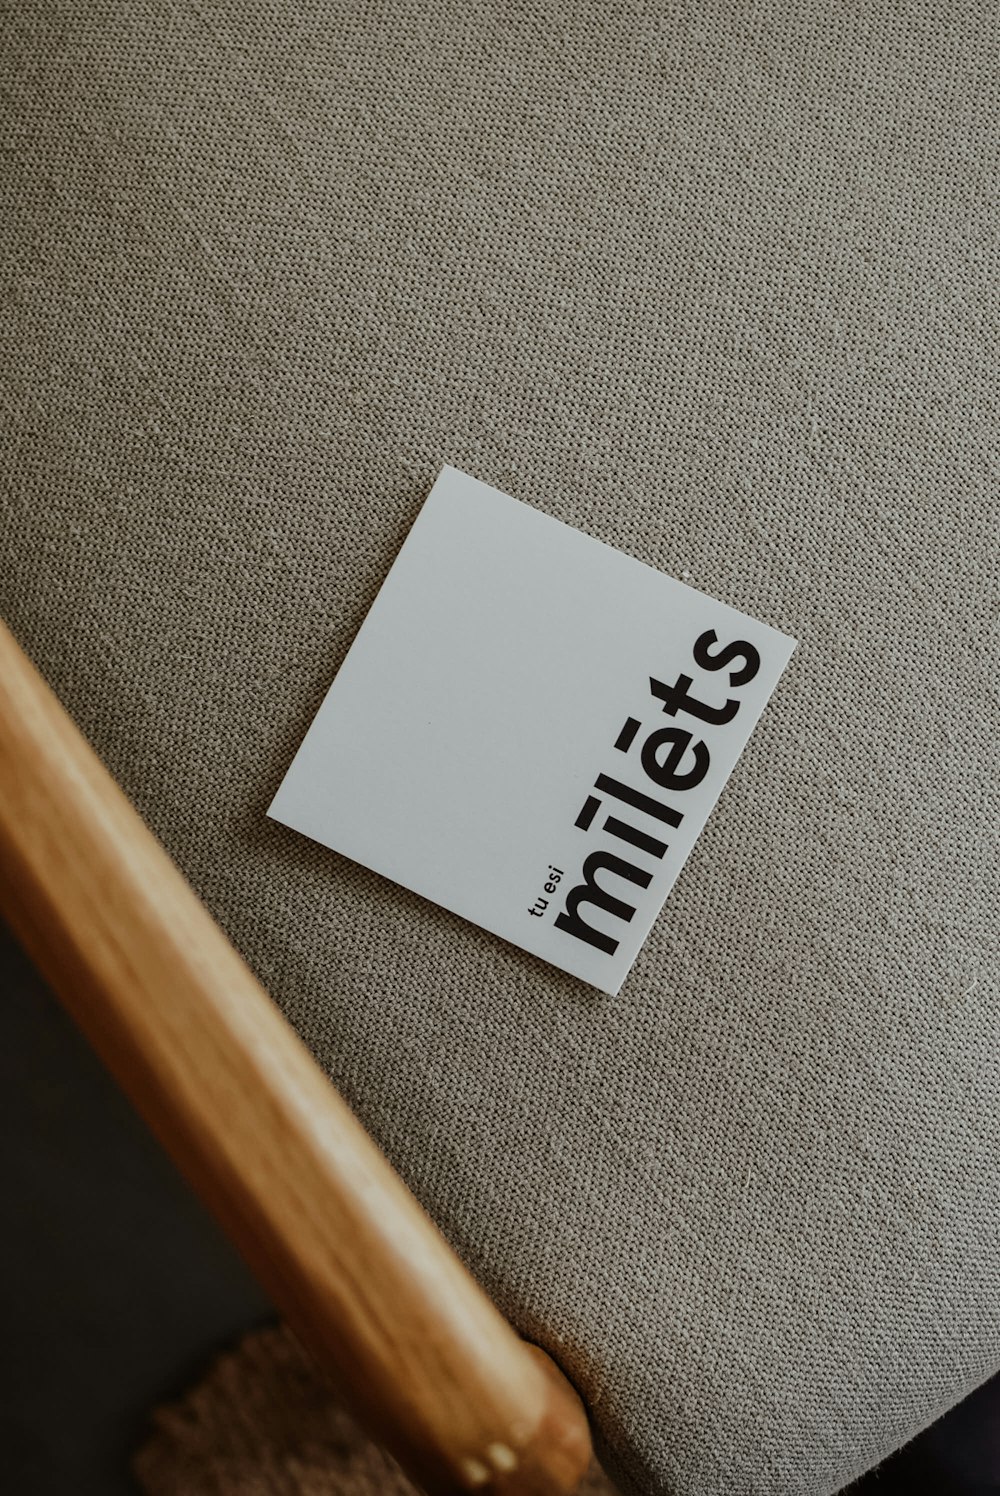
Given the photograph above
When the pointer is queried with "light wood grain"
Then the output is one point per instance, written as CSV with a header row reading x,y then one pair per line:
x,y
344,1250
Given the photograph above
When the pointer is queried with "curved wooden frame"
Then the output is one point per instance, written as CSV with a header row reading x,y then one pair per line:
x,y
344,1250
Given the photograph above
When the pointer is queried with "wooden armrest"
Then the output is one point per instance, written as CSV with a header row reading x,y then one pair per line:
x,y
344,1250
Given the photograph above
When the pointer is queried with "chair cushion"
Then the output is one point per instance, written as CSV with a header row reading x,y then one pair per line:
x,y
718,285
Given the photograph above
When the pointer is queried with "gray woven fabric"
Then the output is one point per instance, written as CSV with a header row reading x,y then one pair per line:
x,y
719,285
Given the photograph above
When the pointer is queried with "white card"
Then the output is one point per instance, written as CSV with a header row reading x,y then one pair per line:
x,y
531,729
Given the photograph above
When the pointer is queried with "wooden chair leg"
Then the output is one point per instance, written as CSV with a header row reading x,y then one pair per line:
x,y
344,1250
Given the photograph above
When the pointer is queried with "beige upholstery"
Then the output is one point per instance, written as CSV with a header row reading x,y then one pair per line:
x,y
718,284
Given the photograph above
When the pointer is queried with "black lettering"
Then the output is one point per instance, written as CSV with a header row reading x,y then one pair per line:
x,y
590,808
628,732
665,772
636,799
677,698
590,892
725,656
640,839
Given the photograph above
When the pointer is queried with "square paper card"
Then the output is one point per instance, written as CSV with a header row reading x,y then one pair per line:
x,y
531,729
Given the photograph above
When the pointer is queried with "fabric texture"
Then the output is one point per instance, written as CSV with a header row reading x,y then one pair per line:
x,y
717,284
263,1423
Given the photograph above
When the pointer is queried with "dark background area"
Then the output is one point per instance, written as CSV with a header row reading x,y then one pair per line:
x,y
118,1288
